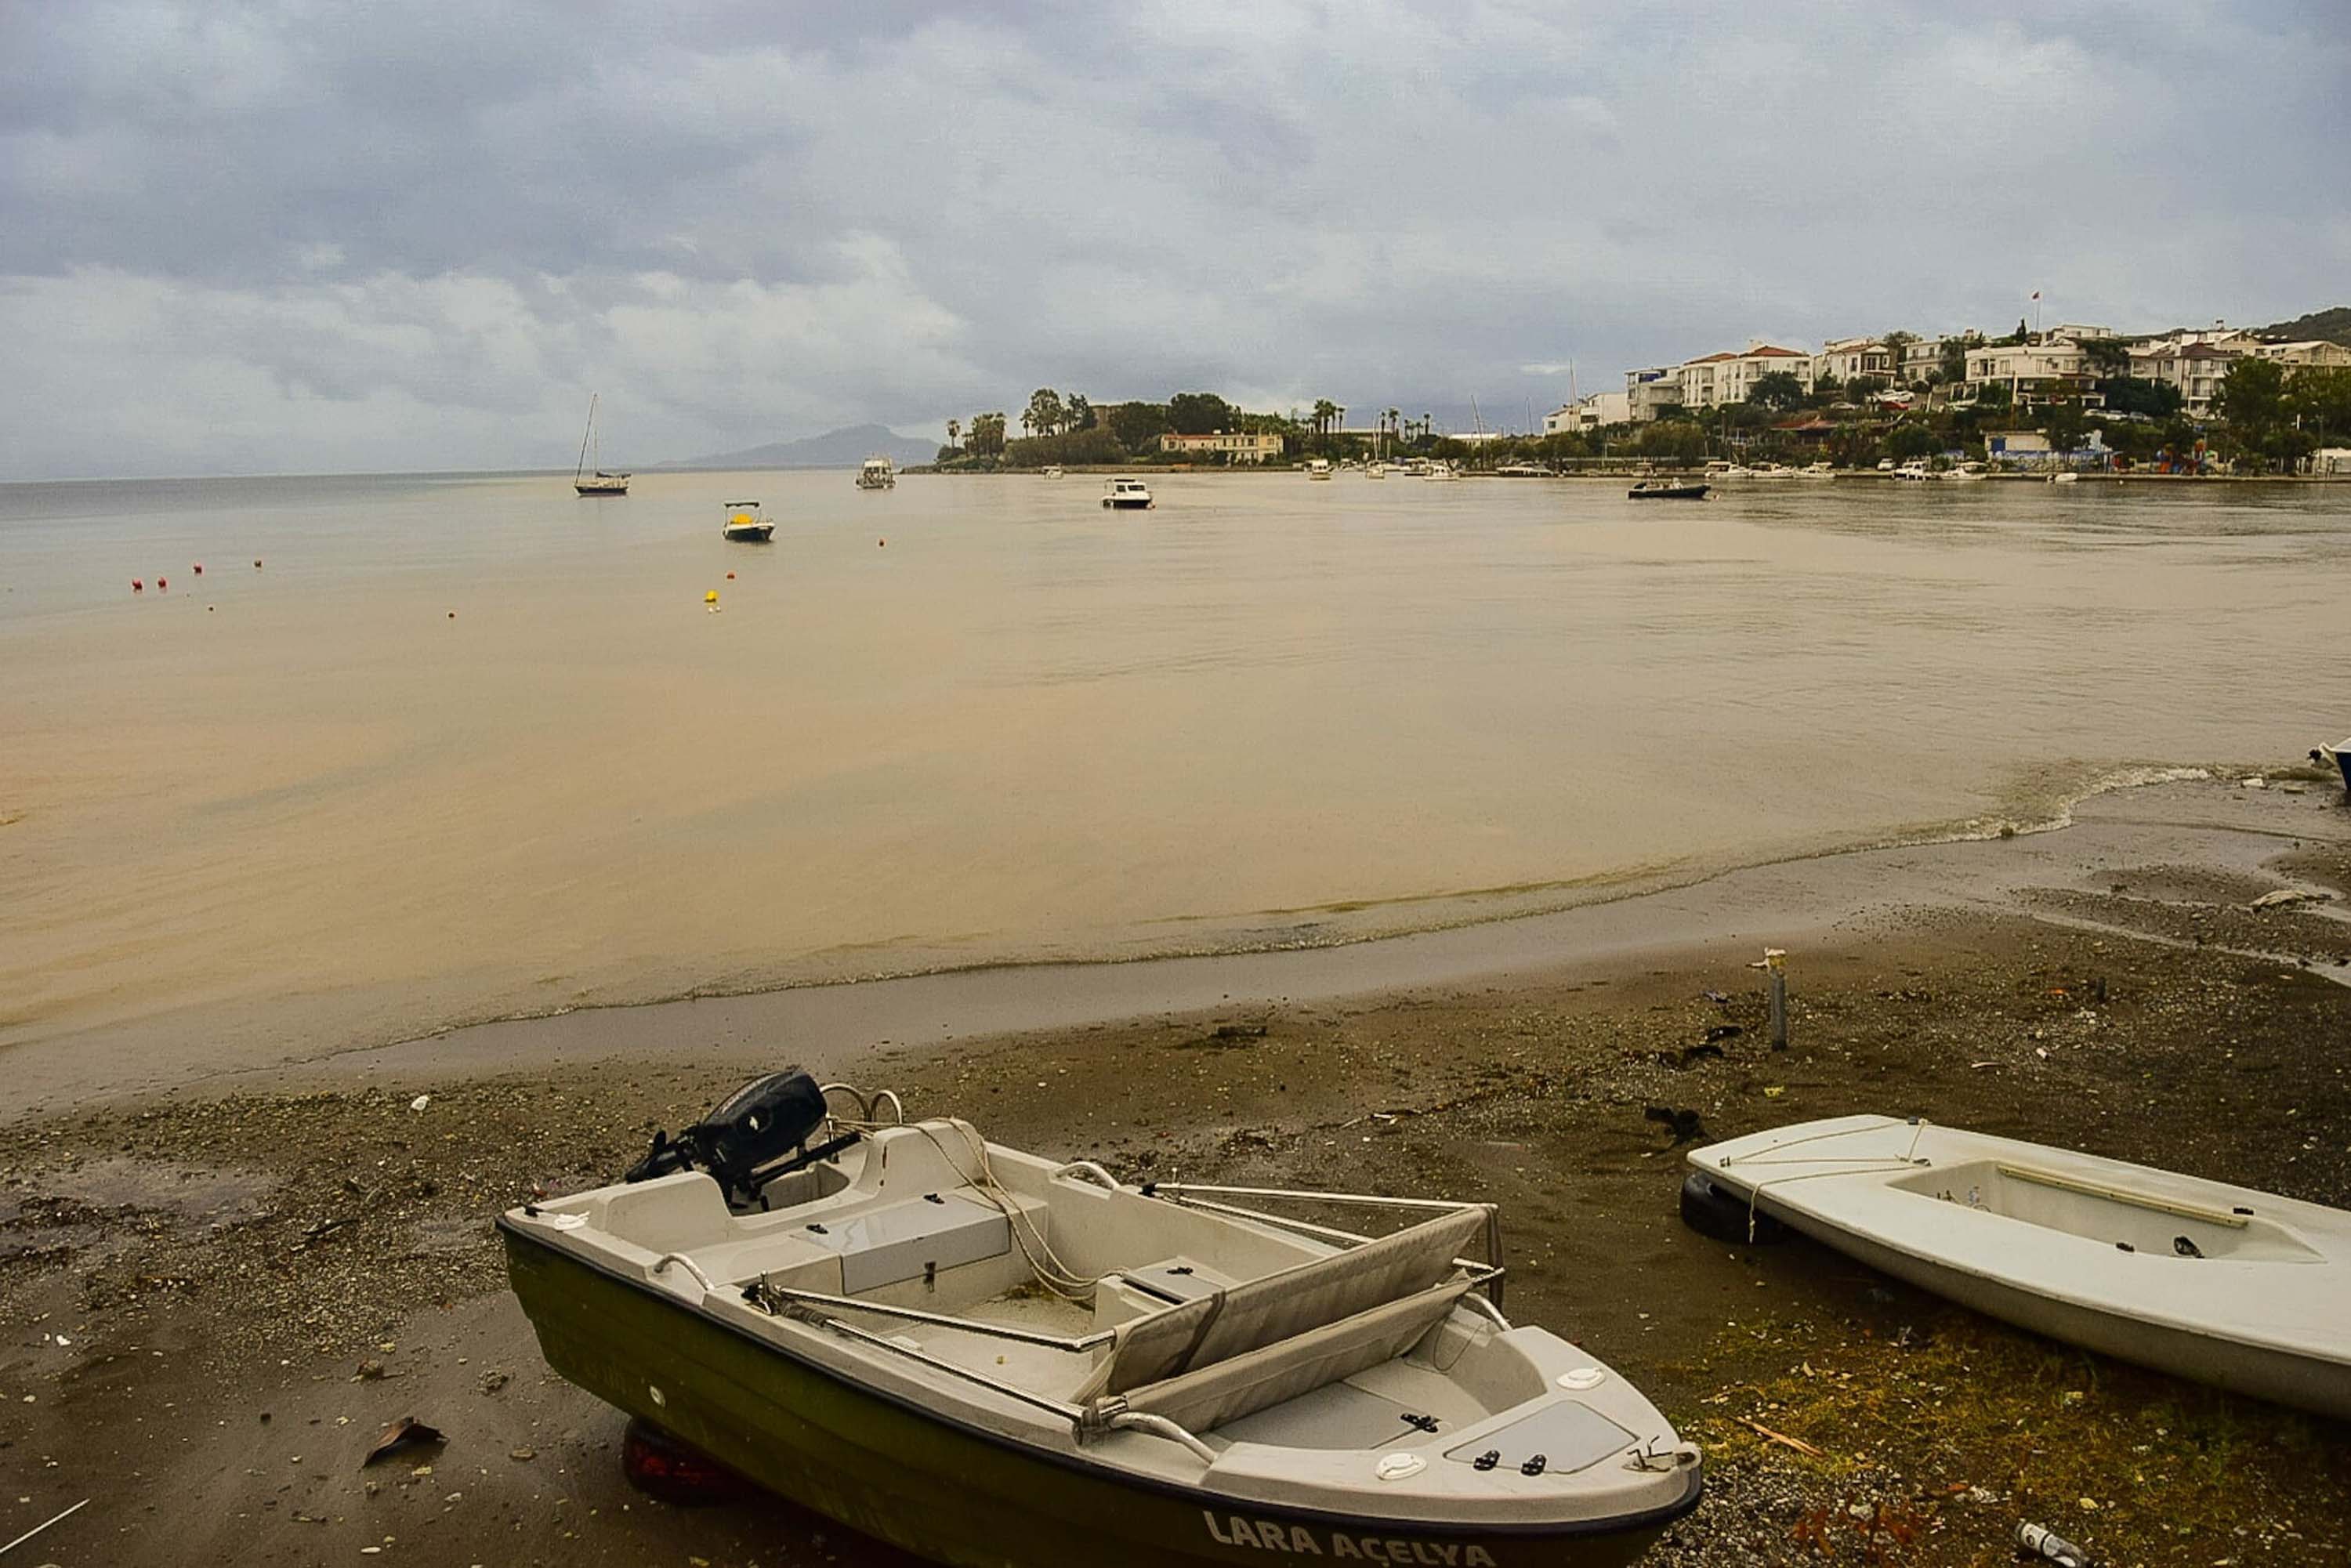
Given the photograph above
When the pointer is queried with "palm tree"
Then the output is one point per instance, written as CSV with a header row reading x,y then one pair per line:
x,y
1323,411
954,432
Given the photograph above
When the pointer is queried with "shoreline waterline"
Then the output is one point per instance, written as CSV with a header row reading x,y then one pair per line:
x,y
1800,903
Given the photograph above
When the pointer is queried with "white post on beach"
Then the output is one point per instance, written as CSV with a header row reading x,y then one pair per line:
x,y
1775,971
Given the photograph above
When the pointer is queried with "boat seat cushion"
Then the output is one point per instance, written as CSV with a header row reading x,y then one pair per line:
x,y
1275,1373
1278,1306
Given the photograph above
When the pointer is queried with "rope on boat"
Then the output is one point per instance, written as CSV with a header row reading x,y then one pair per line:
x,y
1859,1165
1043,1262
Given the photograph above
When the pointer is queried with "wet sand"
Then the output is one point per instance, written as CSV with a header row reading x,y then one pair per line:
x,y
255,1271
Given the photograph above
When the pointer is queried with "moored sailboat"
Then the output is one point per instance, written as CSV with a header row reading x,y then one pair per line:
x,y
587,476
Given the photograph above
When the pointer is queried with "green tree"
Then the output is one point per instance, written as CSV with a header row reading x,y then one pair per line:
x,y
1325,410
2249,393
1138,424
1951,357
2137,394
2107,356
1198,414
1994,396
954,432
986,434
1776,389
2320,396
2064,426
1861,389
1912,439
1080,413
1044,413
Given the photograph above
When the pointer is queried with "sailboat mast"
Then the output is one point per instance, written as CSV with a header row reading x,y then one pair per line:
x,y
582,467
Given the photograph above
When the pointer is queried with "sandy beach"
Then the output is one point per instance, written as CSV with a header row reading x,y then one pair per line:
x,y
219,1289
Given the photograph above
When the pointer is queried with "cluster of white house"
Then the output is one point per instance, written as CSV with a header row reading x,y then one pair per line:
x,y
2064,362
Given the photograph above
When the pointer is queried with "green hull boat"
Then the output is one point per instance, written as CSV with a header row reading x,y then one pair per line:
x,y
990,1359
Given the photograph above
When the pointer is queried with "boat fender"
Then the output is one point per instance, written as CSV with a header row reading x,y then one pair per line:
x,y
1724,1217
1533,1466
2186,1247
1487,1460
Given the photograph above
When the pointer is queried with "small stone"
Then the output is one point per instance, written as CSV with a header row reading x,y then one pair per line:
x,y
525,1455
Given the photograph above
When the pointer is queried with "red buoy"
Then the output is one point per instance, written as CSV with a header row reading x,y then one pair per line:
x,y
162,582
137,586
256,566
730,577
882,544
200,569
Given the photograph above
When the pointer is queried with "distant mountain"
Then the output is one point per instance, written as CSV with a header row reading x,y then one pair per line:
x,y
834,449
2334,326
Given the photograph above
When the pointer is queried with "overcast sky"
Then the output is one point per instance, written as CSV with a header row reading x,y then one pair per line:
x,y
311,237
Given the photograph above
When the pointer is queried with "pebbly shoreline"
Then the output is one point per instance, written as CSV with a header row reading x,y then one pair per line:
x,y
212,1299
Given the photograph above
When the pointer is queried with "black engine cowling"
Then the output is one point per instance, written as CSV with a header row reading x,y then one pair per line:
x,y
751,1129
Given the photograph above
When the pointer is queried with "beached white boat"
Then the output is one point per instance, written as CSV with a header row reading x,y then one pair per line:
x,y
1050,471
877,474
745,524
990,1357
587,475
1376,470
2218,1283
1128,496
1317,468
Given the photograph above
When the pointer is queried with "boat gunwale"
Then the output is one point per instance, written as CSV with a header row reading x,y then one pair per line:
x,y
1081,1463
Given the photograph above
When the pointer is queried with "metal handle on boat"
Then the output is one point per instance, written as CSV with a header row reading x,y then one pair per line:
x,y
1161,1426
1086,1168
690,1265
868,1104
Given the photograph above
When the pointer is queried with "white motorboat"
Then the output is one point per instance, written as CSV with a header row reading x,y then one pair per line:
x,y
987,1356
1964,472
1816,471
1914,472
1317,468
877,474
1439,469
1128,496
745,524
1376,470
2200,1279
1050,471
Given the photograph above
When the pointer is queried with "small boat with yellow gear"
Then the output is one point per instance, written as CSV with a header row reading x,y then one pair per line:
x,y
746,525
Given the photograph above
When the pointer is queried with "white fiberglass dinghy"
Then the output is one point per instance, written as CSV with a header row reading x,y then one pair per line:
x,y
2206,1280
990,1357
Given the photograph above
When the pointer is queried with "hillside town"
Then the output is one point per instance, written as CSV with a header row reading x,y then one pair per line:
x,y
2192,401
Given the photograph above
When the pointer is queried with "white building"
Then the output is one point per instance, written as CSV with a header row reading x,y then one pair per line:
x,y
2034,372
1714,381
1847,358
1590,414
2316,353
1647,391
2196,369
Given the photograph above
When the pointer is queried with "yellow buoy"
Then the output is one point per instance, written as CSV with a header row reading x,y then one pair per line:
x,y
711,597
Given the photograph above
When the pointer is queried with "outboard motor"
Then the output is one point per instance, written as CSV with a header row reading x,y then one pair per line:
x,y
753,1128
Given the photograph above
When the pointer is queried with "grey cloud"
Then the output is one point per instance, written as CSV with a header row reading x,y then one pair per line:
x,y
412,235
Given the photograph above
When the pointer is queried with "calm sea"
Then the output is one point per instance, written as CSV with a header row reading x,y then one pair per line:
x,y
470,746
